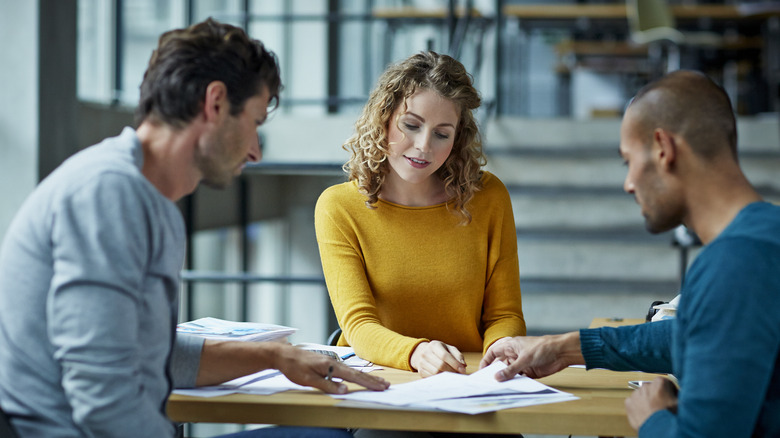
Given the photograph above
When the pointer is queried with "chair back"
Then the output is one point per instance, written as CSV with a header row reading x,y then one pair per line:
x,y
650,21
333,339
6,430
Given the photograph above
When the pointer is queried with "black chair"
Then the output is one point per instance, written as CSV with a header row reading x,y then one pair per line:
x,y
6,430
333,339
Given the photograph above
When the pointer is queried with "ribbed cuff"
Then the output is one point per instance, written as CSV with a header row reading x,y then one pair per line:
x,y
592,348
185,360
661,423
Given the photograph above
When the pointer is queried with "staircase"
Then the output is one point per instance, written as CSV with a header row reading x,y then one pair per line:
x,y
582,245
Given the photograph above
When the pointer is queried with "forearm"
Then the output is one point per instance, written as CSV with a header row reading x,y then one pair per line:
x,y
374,342
222,361
569,349
510,326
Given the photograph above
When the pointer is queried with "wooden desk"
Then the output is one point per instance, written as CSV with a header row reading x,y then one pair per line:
x,y
599,411
615,322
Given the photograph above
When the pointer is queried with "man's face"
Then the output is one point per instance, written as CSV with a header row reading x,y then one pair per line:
x,y
645,180
223,154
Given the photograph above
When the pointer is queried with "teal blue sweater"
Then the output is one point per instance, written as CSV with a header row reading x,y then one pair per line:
x,y
723,346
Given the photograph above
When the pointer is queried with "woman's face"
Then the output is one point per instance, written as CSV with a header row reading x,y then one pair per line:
x,y
420,137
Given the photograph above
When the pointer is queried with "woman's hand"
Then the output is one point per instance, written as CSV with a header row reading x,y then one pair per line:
x,y
435,357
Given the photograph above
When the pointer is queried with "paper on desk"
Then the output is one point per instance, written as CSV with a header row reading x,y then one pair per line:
x,y
464,393
264,382
271,381
494,402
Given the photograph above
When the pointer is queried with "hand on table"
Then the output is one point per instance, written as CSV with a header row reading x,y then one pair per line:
x,y
311,369
660,394
534,356
435,357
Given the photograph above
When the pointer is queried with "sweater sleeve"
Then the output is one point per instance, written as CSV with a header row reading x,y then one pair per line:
x,y
350,292
185,360
100,242
643,347
502,306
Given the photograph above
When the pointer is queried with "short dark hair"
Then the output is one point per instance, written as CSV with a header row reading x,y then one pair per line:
x,y
690,104
187,60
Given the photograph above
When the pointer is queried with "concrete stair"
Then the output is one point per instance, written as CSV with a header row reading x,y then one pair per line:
x,y
582,245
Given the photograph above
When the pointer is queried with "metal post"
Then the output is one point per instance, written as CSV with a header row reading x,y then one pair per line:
x,y
334,52
119,42
243,215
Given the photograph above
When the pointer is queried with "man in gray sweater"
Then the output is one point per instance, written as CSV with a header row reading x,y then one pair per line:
x,y
89,268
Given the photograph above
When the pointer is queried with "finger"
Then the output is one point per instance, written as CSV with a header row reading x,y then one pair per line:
x,y
447,363
431,365
366,380
331,387
488,359
457,356
321,377
508,373
443,359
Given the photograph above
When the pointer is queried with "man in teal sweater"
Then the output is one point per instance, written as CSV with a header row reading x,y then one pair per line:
x,y
678,139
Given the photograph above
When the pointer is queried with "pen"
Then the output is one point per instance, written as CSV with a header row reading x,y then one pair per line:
x,y
347,356
329,377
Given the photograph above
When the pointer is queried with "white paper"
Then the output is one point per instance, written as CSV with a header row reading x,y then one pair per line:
x,y
491,403
271,381
464,393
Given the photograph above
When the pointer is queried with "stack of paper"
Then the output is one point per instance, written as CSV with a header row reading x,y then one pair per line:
x,y
215,328
469,394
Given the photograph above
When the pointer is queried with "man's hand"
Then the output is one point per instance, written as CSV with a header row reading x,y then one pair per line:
x,y
534,356
221,361
660,394
435,357
311,369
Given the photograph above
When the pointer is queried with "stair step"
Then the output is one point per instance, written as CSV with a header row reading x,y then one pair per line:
x,y
562,305
628,234
618,260
591,286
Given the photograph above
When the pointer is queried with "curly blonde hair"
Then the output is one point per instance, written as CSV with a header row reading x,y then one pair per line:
x,y
447,77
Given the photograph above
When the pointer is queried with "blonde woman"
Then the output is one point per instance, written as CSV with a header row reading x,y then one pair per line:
x,y
419,248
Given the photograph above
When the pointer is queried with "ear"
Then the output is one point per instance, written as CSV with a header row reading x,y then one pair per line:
x,y
215,102
664,148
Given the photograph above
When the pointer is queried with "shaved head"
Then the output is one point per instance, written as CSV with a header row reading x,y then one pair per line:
x,y
691,105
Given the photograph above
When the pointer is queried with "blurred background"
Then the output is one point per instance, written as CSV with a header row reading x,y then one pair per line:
x,y
554,77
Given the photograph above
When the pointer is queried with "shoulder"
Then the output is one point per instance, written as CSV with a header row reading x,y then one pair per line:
x,y
750,242
735,276
493,189
339,198
106,174
117,157
339,193
741,264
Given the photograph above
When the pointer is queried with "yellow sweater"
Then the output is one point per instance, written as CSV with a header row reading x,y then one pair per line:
x,y
398,276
